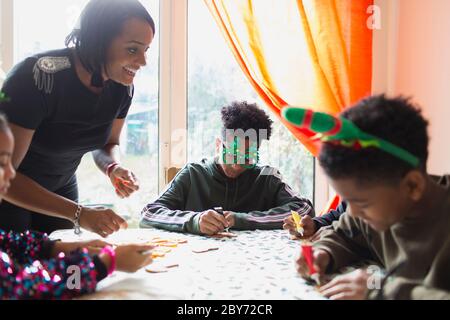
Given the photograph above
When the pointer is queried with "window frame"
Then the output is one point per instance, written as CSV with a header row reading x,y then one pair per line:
x,y
6,34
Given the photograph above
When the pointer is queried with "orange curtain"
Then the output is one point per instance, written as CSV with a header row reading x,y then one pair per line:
x,y
309,53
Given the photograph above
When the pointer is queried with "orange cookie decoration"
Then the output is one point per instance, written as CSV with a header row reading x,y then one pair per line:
x,y
168,244
164,246
156,254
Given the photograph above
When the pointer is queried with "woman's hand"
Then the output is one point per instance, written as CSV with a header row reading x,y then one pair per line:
x,y
124,181
101,220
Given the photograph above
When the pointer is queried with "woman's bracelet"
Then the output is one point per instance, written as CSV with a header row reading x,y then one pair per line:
x,y
112,254
110,168
76,221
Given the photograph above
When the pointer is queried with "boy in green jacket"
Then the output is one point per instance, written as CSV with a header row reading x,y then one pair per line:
x,y
252,196
398,216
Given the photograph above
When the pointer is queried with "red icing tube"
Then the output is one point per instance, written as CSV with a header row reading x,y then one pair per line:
x,y
308,254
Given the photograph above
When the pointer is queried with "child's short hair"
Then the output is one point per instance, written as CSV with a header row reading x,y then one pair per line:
x,y
245,116
395,120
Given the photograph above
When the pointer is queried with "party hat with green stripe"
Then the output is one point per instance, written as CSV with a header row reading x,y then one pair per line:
x,y
342,131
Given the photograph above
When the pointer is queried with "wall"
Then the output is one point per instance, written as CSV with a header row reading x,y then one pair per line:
x,y
423,69
412,57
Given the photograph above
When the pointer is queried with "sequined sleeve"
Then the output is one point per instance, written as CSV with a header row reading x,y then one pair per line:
x,y
24,275
60,278
24,247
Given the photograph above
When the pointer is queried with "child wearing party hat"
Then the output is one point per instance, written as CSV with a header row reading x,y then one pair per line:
x,y
374,155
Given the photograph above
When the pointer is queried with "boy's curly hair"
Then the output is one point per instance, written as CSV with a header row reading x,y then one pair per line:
x,y
395,120
245,116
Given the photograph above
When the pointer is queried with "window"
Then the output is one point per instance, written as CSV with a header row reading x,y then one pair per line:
x,y
43,25
214,80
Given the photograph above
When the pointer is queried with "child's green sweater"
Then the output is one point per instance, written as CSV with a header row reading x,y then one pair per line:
x,y
259,198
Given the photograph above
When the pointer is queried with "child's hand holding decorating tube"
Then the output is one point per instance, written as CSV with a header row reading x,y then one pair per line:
x,y
301,227
311,264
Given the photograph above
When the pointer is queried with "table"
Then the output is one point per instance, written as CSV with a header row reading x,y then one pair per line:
x,y
254,265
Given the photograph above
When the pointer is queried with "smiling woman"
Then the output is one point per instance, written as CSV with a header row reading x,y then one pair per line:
x,y
139,138
65,103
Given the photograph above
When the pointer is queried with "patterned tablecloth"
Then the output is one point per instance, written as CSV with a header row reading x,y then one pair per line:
x,y
254,265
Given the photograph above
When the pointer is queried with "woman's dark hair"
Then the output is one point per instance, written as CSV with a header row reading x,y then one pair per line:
x,y
100,22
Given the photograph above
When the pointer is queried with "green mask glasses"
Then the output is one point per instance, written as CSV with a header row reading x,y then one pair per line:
x,y
233,154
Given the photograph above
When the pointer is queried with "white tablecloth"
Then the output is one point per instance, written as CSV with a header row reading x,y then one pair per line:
x,y
254,265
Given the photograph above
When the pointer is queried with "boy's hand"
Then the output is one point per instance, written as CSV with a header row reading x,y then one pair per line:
x,y
211,222
351,286
309,227
229,216
321,262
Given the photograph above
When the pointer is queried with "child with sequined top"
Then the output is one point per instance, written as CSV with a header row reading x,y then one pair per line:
x,y
34,267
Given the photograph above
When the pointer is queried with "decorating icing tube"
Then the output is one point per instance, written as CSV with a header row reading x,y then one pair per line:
x,y
298,222
307,251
